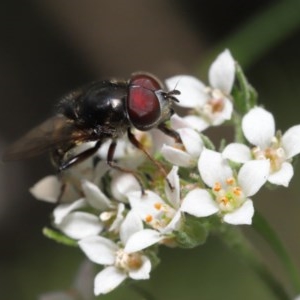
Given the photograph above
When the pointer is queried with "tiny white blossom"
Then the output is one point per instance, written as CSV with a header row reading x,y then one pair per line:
x,y
187,153
119,264
258,126
164,216
211,104
229,195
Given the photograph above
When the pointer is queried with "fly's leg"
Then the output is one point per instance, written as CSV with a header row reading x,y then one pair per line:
x,y
170,132
138,145
79,157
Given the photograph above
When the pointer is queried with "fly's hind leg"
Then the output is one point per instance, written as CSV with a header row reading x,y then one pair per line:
x,y
80,157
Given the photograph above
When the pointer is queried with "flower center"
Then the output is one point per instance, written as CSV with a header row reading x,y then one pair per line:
x,y
229,196
163,216
214,105
128,261
275,153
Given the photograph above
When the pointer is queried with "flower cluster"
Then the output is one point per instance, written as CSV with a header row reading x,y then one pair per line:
x,y
120,226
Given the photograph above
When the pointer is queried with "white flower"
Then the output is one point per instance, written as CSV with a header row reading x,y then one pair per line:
x,y
163,216
258,126
78,224
229,195
119,264
187,153
211,104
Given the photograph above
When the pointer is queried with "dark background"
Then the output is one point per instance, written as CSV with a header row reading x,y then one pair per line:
x,y
47,48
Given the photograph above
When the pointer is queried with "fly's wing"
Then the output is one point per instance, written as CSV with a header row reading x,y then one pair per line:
x,y
51,134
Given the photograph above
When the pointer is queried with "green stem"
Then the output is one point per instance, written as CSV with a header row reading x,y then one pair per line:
x,y
236,241
238,132
261,225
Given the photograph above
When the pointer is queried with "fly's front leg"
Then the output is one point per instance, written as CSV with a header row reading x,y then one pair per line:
x,y
138,145
170,132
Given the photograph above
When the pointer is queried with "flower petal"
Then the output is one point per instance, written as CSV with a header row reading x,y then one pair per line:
x,y
173,225
178,157
259,127
222,71
99,250
78,225
191,141
47,189
115,226
178,122
192,90
291,141
144,205
108,279
223,115
197,123
143,272
242,215
123,183
213,168
131,224
142,239
173,195
64,209
94,196
237,152
283,176
199,203
252,176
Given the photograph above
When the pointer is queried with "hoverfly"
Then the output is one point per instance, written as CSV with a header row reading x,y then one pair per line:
x,y
99,111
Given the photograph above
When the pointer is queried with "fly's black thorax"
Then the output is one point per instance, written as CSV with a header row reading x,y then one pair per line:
x,y
99,107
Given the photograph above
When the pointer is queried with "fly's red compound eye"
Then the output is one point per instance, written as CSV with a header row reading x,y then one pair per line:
x,y
143,105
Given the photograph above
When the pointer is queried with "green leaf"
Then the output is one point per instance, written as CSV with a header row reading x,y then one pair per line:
x,y
59,237
193,233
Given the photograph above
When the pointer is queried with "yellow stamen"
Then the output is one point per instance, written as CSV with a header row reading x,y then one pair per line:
x,y
224,200
230,181
217,187
158,205
148,218
237,191
134,261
